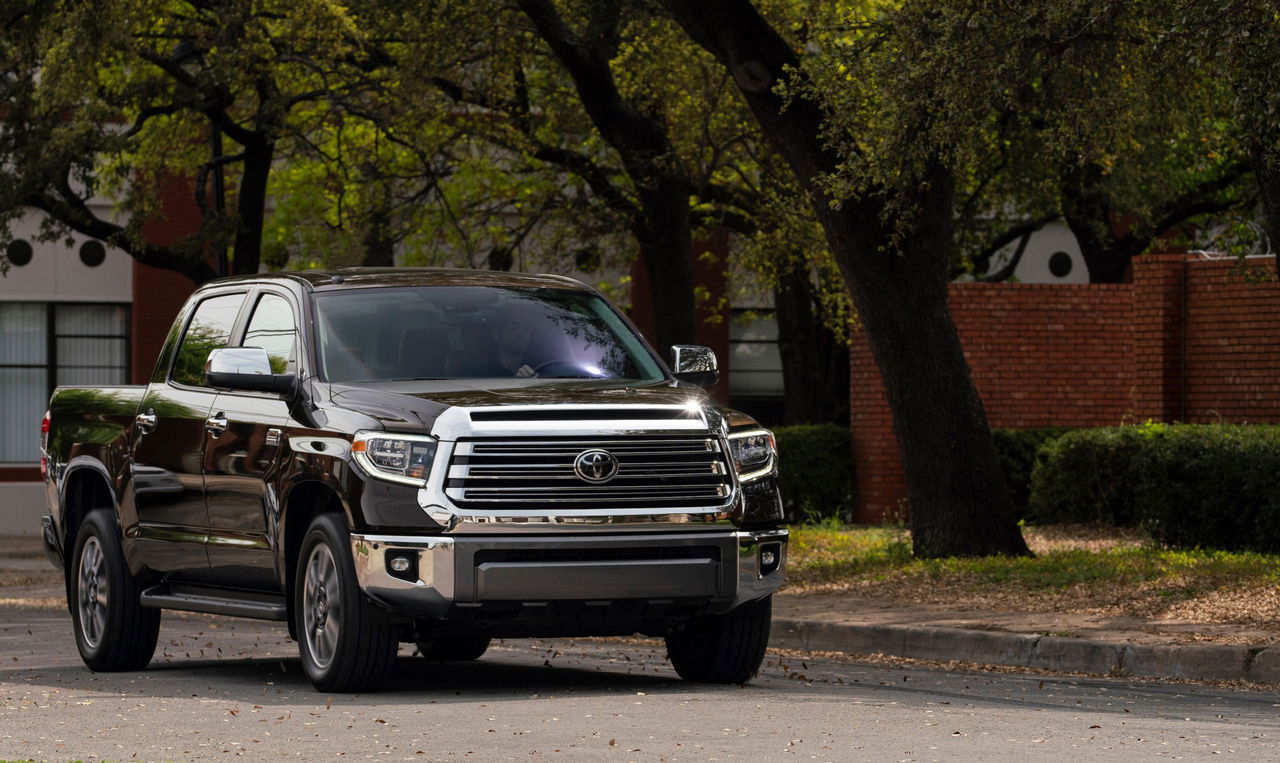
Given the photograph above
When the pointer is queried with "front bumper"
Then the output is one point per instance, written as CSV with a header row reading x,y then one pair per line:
x,y
446,576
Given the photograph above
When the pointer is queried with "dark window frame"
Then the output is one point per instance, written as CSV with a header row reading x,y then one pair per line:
x,y
51,365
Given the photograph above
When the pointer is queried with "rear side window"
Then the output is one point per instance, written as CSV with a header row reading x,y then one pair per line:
x,y
273,329
209,329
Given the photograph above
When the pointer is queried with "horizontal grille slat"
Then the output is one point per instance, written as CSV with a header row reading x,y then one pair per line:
x,y
654,471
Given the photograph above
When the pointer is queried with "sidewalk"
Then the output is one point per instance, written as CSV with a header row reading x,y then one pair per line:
x,y
1052,641
866,626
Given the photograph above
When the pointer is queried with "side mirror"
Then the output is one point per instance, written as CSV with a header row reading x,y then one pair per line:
x,y
694,364
246,368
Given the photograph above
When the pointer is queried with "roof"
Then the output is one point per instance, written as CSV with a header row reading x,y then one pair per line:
x,y
346,278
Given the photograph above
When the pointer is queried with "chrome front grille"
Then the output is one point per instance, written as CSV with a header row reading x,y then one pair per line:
x,y
668,471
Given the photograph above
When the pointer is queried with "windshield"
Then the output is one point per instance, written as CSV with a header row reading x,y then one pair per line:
x,y
475,332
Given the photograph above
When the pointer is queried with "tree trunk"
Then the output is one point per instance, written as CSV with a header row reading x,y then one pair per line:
x,y
815,363
379,249
959,503
251,205
664,232
666,248
1266,171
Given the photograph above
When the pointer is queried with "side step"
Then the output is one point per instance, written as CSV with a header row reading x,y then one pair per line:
x,y
215,601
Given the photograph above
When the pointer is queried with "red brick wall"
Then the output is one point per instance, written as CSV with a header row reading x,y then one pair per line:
x,y
158,294
1041,355
1187,340
1233,342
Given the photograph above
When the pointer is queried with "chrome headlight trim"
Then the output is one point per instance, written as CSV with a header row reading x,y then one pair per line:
x,y
763,469
364,449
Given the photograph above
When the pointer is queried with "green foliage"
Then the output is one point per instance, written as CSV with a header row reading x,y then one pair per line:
x,y
1017,450
1212,486
815,472
1082,476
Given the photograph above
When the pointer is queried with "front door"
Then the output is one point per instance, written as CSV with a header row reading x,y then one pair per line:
x,y
168,449
241,461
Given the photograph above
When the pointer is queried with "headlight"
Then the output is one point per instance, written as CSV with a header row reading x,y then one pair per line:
x,y
402,458
753,453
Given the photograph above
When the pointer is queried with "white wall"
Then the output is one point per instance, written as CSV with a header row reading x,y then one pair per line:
x,y
56,274
21,506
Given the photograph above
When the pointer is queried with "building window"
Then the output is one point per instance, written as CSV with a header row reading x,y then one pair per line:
x,y
46,344
755,365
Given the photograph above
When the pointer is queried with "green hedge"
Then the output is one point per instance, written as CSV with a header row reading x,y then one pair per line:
x,y
815,472
1017,449
1189,485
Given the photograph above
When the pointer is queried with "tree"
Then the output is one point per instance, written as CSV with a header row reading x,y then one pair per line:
x,y
1123,145
114,99
888,224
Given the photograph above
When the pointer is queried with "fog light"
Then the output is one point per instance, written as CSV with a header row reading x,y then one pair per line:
x,y
770,558
403,564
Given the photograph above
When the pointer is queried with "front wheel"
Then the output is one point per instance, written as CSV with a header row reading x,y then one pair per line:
x,y
722,649
344,644
113,630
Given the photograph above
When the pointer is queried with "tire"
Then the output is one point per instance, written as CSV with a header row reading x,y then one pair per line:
x,y
722,649
345,643
113,630
454,648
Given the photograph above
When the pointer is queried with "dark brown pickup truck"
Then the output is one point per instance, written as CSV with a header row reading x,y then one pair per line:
x,y
424,456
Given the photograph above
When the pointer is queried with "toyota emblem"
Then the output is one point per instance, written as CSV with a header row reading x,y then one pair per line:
x,y
596,466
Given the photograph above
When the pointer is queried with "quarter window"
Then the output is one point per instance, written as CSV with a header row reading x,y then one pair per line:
x,y
209,329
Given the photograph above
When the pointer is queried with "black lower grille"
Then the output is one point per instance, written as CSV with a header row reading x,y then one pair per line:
x,y
553,555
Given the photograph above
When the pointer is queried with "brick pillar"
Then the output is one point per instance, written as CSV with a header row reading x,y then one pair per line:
x,y
877,464
1159,292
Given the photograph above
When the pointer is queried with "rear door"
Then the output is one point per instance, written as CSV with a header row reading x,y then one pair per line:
x,y
168,448
241,460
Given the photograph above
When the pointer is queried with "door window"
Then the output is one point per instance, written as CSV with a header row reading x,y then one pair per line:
x,y
273,329
210,329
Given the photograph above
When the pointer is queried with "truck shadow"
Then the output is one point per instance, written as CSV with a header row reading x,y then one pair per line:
x,y
415,681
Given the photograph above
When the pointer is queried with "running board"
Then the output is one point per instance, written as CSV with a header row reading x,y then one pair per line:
x,y
257,606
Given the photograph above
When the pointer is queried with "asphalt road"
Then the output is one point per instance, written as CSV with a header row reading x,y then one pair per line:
x,y
221,688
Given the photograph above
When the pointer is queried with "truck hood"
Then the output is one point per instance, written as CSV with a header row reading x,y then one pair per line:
x,y
414,406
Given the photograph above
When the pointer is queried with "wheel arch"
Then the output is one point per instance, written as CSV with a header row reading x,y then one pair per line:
x,y
304,502
85,488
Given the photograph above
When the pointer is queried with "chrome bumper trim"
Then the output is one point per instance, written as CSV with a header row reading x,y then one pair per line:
x,y
448,575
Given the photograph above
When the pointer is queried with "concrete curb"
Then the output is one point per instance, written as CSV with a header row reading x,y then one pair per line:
x,y
1201,662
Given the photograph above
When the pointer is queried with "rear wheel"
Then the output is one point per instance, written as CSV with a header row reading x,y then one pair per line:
x,y
344,642
722,649
113,630
454,648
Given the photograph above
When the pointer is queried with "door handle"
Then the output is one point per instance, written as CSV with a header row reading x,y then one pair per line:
x,y
215,425
146,421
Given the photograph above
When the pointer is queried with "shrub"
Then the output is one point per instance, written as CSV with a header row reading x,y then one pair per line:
x,y
815,472
1084,476
1017,449
1215,486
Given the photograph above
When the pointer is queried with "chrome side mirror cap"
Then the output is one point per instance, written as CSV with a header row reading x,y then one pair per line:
x,y
245,368
694,364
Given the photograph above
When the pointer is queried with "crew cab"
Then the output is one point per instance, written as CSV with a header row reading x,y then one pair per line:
x,y
436,457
